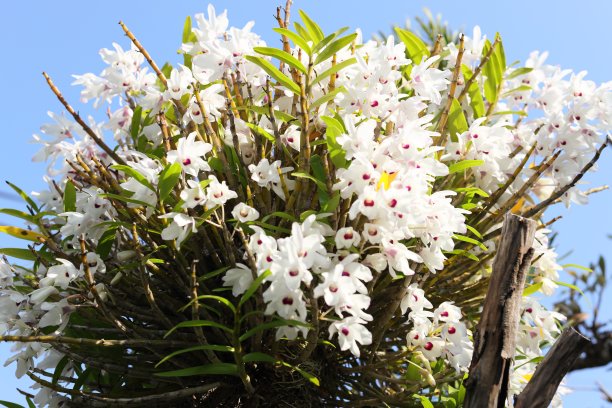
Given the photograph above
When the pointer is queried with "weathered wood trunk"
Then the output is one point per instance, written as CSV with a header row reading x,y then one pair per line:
x,y
558,361
495,336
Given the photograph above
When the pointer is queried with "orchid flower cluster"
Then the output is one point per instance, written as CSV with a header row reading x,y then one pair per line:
x,y
325,213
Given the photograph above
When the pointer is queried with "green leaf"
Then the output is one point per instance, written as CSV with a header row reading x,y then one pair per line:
x,y
313,379
207,369
464,165
281,55
258,357
275,73
327,97
313,28
327,40
259,130
297,40
24,196
263,110
472,191
535,360
106,241
198,323
271,325
59,368
214,273
69,197
253,287
469,206
576,266
336,152
18,214
10,404
518,72
22,233
510,112
474,231
332,204
456,120
531,289
30,402
476,101
19,253
203,347
212,297
494,69
319,183
188,35
135,174
135,124
168,179
334,127
470,241
569,285
82,378
279,214
415,47
424,401
270,227
333,70
125,199
318,170
521,88
301,30
462,252
334,47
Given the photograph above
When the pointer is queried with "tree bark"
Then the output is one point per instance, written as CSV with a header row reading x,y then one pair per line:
x,y
558,362
494,338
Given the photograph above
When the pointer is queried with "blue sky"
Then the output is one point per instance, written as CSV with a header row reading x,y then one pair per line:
x,y
63,38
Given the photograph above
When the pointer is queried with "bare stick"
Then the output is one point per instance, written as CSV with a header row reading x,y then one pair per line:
x,y
494,338
558,362
451,94
145,53
77,341
81,122
542,205
483,62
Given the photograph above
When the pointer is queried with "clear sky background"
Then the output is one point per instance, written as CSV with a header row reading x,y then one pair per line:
x,y
63,37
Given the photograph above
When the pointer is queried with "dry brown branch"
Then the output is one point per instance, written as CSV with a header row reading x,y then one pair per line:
x,y
494,338
541,389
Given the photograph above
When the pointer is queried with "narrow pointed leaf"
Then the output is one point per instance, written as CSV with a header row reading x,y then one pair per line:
x,y
24,196
253,288
333,70
415,47
69,197
135,174
297,40
198,323
334,47
257,357
208,369
275,73
204,347
313,28
271,325
464,165
282,56
456,120
22,233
